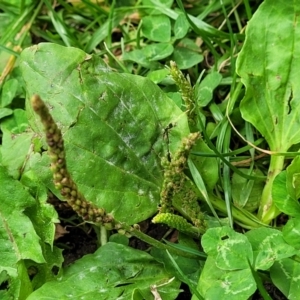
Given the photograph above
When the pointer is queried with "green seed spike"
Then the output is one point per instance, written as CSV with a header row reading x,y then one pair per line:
x,y
187,92
174,177
61,177
177,222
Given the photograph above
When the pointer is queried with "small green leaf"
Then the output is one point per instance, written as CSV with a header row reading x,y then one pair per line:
x,y
158,75
9,91
4,112
285,274
208,166
215,283
14,150
186,58
291,232
204,91
119,239
149,54
268,246
157,28
16,123
292,174
282,198
247,193
181,26
232,250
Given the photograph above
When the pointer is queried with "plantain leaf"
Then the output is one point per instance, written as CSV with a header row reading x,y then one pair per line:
x,y
269,67
114,271
114,126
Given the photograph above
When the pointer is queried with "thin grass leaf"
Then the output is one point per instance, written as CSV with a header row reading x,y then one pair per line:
x,y
201,186
187,249
259,283
184,278
61,27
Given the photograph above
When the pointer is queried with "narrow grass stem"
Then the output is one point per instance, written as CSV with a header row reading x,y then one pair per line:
x,y
246,220
155,243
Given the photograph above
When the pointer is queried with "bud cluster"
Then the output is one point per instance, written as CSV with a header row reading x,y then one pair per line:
x,y
61,177
186,90
174,177
177,222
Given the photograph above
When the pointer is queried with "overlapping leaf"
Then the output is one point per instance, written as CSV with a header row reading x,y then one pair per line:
x,y
18,238
114,271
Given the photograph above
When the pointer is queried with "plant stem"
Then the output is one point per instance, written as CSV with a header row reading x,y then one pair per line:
x,y
103,235
267,210
155,243
246,220
26,287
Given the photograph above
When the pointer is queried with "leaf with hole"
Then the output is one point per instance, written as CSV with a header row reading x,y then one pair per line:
x,y
114,271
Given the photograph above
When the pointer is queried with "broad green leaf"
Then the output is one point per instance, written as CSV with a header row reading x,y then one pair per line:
x,y
148,55
291,232
113,126
18,238
269,67
231,250
282,198
246,193
114,271
215,283
157,28
204,90
285,274
268,246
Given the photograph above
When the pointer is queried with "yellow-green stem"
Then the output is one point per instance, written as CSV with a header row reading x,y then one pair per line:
x,y
267,210
151,241
247,221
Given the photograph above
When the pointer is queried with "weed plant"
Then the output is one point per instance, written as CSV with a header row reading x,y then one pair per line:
x,y
126,113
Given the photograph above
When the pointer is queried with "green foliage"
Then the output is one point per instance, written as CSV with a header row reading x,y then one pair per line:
x,y
134,150
233,257
271,102
157,28
134,272
23,238
126,141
